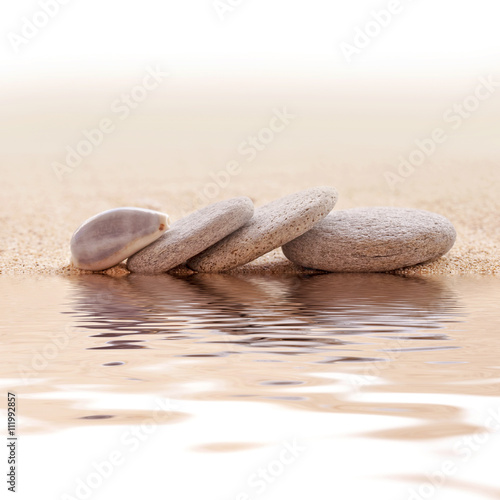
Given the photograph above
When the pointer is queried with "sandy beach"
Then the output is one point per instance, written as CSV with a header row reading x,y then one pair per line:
x,y
40,213
189,143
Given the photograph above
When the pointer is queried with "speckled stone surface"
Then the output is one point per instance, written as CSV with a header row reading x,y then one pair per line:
x,y
271,226
191,235
372,239
110,237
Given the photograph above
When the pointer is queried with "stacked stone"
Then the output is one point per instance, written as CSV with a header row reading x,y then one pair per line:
x,y
230,233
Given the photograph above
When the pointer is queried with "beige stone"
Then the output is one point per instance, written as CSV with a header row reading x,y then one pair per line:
x,y
372,239
271,226
191,235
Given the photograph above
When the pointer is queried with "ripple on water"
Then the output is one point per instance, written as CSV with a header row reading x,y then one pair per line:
x,y
322,338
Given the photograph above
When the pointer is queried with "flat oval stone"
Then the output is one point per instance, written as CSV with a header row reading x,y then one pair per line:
x,y
372,239
191,235
110,237
271,226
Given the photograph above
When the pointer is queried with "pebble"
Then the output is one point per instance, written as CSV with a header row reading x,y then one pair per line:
x,y
373,239
271,226
191,235
110,237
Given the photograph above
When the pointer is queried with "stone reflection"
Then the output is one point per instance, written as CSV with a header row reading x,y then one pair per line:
x,y
305,312
347,330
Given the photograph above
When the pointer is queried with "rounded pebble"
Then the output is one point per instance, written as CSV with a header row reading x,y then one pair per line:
x,y
372,239
110,237
191,235
271,226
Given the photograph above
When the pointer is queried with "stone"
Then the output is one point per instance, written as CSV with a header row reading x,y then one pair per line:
x,y
110,237
271,226
191,235
372,239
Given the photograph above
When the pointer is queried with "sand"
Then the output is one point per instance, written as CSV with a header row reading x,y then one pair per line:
x,y
39,213
193,130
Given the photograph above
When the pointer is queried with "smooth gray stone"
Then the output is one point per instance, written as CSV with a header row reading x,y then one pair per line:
x,y
372,239
110,237
191,235
271,226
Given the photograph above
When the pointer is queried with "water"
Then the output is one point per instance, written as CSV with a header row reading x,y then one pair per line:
x,y
239,387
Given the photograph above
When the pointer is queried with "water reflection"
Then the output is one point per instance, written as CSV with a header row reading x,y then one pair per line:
x,y
314,343
299,315
283,315
336,334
